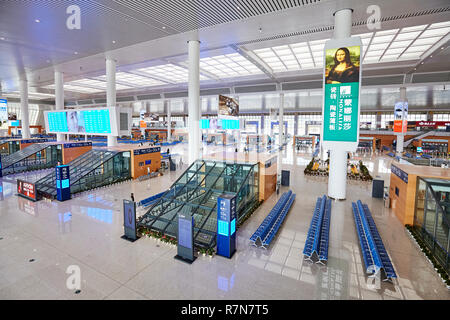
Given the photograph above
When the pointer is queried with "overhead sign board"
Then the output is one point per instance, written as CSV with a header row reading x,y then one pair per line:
x,y
95,121
342,86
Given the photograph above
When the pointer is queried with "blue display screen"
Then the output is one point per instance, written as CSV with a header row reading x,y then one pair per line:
x,y
82,121
204,124
233,227
65,183
230,124
58,184
222,228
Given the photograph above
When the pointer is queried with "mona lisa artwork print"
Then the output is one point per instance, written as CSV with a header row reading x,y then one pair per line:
x,y
342,65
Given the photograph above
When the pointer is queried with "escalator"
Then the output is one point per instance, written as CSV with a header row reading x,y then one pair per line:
x,y
35,157
93,169
196,192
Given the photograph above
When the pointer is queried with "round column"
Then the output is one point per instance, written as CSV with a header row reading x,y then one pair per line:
x,y
194,100
59,98
169,122
337,180
401,135
111,92
24,109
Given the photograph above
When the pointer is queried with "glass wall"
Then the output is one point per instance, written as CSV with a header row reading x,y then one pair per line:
x,y
432,217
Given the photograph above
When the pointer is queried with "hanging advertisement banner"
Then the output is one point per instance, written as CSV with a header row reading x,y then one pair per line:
x,y
228,106
401,116
342,86
3,110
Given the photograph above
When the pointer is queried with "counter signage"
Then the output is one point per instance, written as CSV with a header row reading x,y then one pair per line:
x,y
77,145
145,151
26,189
399,173
33,141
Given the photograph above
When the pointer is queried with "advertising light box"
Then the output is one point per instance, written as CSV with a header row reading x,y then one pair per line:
x,y
3,110
342,76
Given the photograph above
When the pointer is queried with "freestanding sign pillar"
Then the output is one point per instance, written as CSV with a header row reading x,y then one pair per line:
x,y
129,220
62,183
185,239
340,125
401,120
226,225
1,174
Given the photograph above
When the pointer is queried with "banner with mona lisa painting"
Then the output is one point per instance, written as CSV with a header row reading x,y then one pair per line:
x,y
341,94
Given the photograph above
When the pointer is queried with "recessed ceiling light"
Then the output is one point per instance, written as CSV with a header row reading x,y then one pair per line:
x,y
114,41
2,38
163,27
37,20
75,52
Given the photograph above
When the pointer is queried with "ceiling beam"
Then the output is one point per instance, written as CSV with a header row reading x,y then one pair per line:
x,y
253,58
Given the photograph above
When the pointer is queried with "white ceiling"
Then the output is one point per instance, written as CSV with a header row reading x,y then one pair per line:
x,y
241,41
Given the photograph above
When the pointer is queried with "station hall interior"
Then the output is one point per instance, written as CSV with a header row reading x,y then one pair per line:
x,y
224,150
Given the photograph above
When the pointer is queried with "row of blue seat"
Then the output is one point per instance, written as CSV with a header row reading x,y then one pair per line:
x,y
269,227
318,234
273,231
374,253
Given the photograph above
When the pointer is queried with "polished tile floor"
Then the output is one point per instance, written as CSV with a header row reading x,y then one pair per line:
x,y
85,232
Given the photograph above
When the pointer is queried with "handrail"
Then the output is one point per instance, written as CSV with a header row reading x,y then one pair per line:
x,y
177,193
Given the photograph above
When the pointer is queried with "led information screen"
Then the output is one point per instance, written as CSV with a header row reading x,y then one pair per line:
x,y
26,189
3,110
341,108
85,121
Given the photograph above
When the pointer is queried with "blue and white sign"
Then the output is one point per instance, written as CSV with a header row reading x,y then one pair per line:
x,y
226,225
399,173
62,183
145,151
77,145
3,110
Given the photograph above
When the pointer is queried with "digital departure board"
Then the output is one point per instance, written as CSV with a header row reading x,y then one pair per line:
x,y
84,121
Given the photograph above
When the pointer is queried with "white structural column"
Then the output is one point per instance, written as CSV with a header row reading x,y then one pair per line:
x,y
401,135
281,132
59,98
24,109
194,100
337,180
111,92
169,122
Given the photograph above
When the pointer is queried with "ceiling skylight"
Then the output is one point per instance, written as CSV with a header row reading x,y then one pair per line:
x,y
134,80
231,65
169,73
